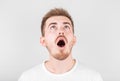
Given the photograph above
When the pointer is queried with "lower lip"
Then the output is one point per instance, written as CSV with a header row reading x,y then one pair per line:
x,y
61,47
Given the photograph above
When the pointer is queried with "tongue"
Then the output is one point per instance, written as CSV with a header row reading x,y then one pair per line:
x,y
61,43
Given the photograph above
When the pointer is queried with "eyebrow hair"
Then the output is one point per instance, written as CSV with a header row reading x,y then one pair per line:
x,y
67,23
54,23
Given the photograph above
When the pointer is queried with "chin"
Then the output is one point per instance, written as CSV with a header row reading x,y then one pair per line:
x,y
61,56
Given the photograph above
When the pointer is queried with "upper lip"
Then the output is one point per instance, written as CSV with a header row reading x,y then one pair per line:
x,y
61,38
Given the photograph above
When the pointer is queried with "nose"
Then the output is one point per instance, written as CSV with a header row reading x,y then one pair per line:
x,y
61,33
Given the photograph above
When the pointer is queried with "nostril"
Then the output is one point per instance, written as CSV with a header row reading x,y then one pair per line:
x,y
61,33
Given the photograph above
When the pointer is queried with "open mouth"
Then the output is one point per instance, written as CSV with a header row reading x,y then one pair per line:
x,y
61,43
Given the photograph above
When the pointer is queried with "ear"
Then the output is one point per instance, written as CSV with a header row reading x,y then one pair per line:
x,y
42,41
74,40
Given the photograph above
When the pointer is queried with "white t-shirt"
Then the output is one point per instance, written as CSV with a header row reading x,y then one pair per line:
x,y
77,73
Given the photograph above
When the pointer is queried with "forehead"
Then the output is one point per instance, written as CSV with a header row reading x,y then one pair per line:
x,y
57,19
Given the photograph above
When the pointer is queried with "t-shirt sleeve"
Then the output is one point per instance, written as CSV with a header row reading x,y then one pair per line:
x,y
22,78
98,78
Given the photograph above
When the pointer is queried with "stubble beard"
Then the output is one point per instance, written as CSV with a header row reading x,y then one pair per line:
x,y
61,56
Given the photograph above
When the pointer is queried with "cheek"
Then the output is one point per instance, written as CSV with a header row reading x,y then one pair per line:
x,y
50,31
72,40
49,34
49,39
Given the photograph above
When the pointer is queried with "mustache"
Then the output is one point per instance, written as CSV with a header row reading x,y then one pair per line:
x,y
61,36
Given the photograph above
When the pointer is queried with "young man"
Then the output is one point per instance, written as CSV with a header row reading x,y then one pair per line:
x,y
58,37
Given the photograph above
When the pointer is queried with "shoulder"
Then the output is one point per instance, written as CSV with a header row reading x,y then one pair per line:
x,y
86,70
83,68
91,74
31,73
34,69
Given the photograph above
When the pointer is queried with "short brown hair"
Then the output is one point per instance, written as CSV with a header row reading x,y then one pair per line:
x,y
55,12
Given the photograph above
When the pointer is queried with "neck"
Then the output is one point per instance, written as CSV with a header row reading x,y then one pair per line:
x,y
60,66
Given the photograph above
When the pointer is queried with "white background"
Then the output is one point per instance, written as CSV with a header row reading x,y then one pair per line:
x,y
97,28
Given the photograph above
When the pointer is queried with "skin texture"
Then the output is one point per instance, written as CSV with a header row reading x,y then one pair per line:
x,y
60,58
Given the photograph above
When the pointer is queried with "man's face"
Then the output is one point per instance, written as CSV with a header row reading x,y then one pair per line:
x,y
58,37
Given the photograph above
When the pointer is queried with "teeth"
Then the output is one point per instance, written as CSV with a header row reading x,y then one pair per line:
x,y
61,43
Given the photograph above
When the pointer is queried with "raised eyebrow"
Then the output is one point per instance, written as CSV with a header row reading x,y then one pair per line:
x,y
53,23
67,23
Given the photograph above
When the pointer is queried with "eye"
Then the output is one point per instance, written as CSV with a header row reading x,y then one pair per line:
x,y
53,27
67,27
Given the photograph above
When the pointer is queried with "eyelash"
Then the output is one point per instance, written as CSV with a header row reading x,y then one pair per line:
x,y
52,27
65,27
